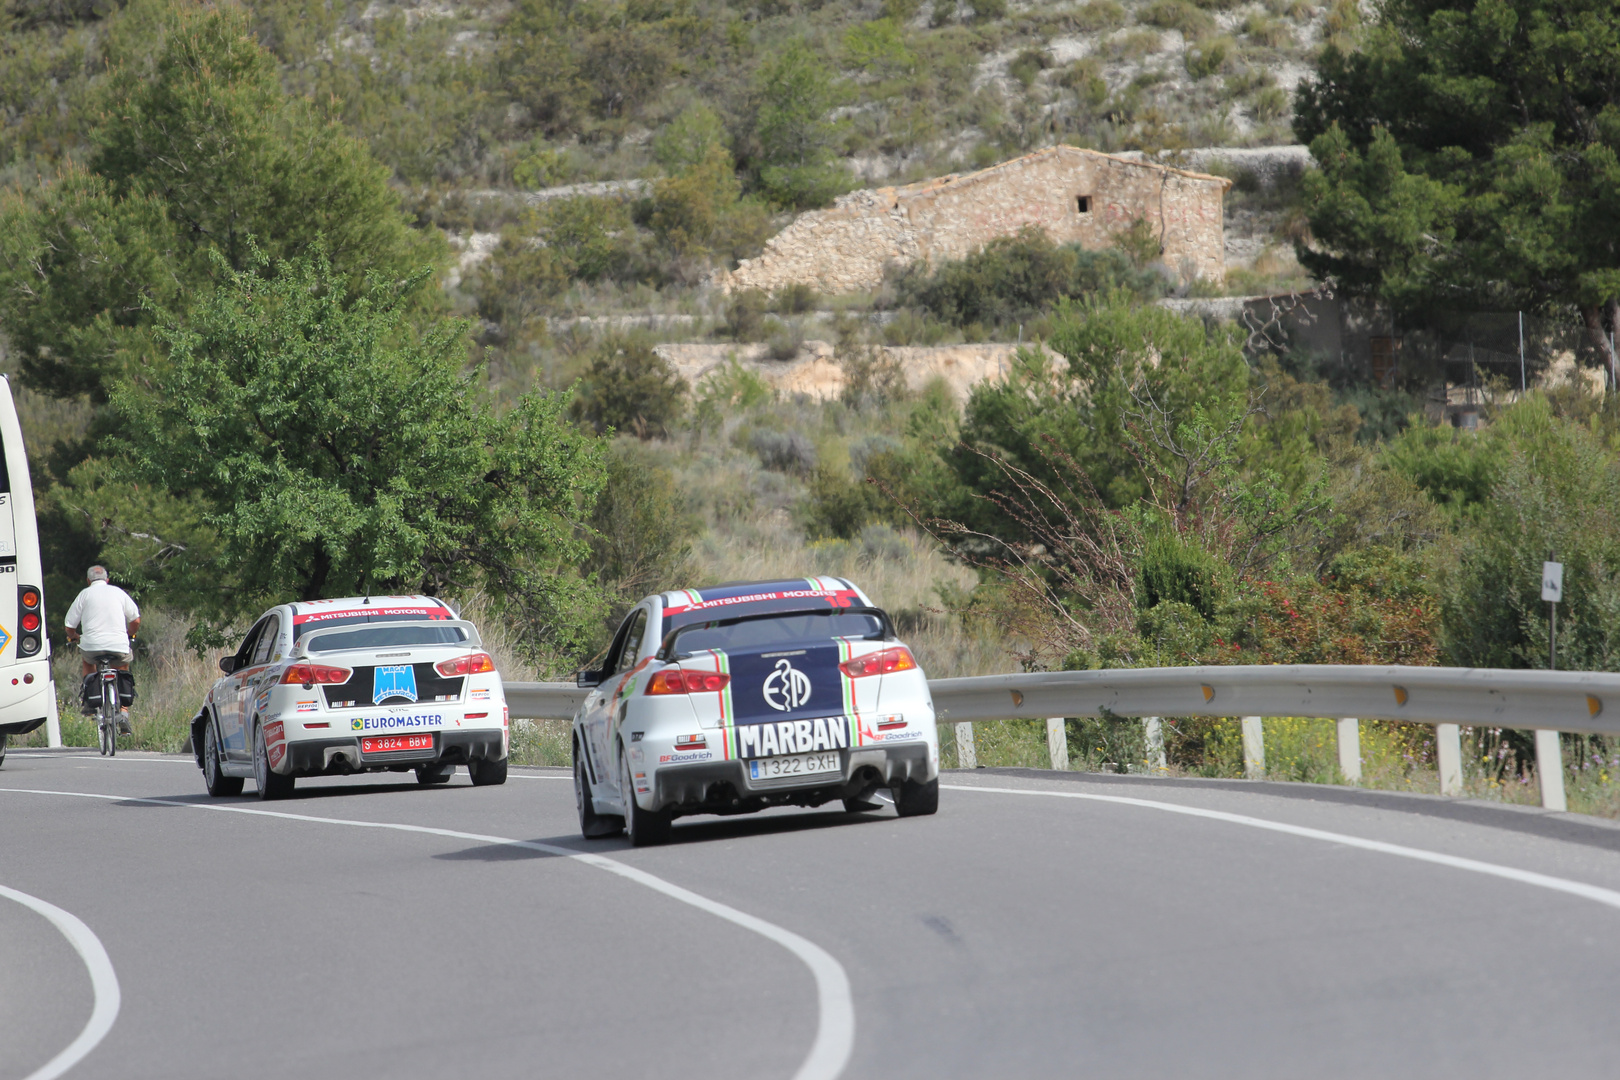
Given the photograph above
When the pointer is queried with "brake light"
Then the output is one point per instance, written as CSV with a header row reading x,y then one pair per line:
x,y
30,622
691,742
883,662
316,675
472,664
675,681
889,723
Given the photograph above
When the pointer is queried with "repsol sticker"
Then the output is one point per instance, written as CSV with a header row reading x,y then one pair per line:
x,y
792,737
399,723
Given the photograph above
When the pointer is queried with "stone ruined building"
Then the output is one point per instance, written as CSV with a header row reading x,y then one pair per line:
x,y
1075,195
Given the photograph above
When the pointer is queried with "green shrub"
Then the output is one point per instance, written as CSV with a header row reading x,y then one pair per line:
x,y
1177,15
1207,57
988,10
1271,103
1099,16
1178,571
1027,65
641,530
628,387
1017,277
745,316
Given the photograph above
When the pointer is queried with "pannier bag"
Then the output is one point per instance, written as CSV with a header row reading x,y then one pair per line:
x,y
90,691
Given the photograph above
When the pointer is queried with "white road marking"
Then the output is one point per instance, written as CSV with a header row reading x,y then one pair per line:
x,y
103,983
1595,893
835,1028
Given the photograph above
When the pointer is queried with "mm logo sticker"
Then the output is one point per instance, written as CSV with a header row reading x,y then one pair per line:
x,y
393,681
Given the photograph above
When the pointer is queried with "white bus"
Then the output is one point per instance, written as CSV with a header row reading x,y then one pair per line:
x,y
27,691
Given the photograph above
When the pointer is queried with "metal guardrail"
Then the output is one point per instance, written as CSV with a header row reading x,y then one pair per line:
x,y
1544,701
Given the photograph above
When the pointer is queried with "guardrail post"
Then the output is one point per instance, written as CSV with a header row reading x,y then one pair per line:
x,y
1254,748
967,756
1350,749
1550,770
1057,743
1448,751
1153,735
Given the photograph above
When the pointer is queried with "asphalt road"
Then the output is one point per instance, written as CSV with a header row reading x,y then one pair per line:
x,y
1102,930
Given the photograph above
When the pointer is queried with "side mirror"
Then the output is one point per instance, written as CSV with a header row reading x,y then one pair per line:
x,y
227,664
588,678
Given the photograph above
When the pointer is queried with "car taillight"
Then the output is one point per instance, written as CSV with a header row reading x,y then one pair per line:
x,y
472,664
691,742
883,662
316,675
32,622
674,681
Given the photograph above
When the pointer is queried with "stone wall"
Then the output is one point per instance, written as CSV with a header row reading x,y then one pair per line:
x,y
817,373
1075,195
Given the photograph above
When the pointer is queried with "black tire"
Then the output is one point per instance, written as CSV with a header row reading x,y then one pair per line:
x,y
3,740
912,799
645,828
109,735
592,826
219,785
428,775
271,785
487,772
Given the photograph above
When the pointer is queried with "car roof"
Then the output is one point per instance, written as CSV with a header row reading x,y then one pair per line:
x,y
307,614
765,595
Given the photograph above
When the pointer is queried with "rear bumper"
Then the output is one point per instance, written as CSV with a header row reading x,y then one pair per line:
x,y
317,757
26,705
720,787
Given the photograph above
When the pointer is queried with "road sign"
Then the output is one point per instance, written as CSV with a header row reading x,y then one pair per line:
x,y
1552,582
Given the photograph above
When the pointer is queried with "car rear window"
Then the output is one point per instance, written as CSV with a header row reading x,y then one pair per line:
x,y
385,637
734,634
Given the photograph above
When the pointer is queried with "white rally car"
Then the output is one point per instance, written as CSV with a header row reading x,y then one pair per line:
x,y
732,699
364,684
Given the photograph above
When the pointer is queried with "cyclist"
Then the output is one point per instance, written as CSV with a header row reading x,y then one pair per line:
x,y
102,620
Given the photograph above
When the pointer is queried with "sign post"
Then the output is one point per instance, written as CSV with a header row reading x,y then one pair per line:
x,y
1552,591
1549,756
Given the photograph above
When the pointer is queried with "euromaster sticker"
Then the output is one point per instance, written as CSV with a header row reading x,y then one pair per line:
x,y
402,722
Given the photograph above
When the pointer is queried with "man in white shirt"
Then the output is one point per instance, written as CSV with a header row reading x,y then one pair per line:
x,y
102,620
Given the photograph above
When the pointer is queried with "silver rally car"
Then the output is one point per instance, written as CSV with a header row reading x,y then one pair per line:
x,y
732,699
361,684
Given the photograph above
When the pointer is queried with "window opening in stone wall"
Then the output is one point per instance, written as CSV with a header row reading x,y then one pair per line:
x,y
1083,204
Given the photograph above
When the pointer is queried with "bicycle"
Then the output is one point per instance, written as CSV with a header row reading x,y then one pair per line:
x,y
107,707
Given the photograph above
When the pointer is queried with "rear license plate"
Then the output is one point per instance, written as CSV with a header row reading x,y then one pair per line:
x,y
793,765
388,744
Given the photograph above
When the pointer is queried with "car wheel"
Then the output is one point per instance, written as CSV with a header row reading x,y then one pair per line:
x,y
428,775
592,825
644,827
271,785
912,799
487,773
219,785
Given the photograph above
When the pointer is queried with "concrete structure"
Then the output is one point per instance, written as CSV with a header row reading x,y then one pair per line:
x,y
1075,195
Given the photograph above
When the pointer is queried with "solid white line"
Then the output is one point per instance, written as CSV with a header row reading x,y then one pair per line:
x,y
1595,893
103,983
835,1028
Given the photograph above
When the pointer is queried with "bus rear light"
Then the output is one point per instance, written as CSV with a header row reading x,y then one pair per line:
x,y
30,622
28,646
472,664
30,599
883,662
31,625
